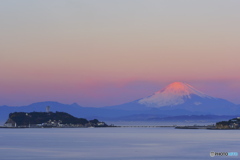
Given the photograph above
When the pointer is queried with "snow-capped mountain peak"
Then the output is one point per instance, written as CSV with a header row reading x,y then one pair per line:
x,y
181,89
174,94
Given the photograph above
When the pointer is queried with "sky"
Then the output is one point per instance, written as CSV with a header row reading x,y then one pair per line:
x,y
103,53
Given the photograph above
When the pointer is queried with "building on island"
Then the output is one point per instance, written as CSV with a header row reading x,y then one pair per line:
x,y
10,123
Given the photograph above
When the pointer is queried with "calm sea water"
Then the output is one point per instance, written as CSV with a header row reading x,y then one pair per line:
x,y
116,144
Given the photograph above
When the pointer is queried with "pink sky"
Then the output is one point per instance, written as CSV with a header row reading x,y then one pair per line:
x,y
104,53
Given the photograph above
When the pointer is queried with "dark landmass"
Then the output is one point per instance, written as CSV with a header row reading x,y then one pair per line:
x,y
49,119
223,125
230,124
129,112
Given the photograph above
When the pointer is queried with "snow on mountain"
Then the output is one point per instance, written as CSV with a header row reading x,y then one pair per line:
x,y
175,100
174,94
180,99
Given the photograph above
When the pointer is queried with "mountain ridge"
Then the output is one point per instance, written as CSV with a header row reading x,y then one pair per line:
x,y
173,94
182,99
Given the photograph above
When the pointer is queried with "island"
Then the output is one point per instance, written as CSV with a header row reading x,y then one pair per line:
x,y
230,124
49,120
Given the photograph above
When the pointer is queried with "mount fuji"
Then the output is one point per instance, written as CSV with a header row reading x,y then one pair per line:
x,y
181,99
176,101
174,94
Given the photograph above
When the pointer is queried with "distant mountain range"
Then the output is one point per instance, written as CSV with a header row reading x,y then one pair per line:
x,y
179,99
176,100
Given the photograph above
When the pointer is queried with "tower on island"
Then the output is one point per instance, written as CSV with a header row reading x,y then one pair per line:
x,y
48,109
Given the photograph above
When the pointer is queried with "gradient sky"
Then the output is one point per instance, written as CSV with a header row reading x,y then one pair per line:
x,y
100,53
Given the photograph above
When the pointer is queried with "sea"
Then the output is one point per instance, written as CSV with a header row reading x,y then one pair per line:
x,y
118,143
